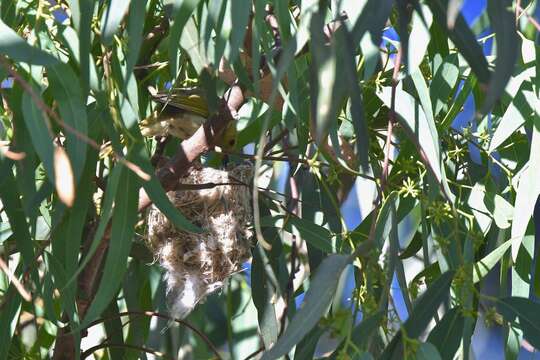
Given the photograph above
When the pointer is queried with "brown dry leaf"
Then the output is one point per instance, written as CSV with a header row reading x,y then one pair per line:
x,y
63,174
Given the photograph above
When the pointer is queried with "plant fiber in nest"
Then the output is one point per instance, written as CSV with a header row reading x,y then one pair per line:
x,y
197,264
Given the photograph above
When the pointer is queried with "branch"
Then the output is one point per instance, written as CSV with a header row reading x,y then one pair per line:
x,y
161,316
199,143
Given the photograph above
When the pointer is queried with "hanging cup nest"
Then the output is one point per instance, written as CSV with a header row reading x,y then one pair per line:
x,y
198,264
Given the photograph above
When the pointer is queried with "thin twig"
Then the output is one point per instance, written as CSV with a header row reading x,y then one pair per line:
x,y
48,111
162,316
25,294
366,246
105,345
529,17
255,353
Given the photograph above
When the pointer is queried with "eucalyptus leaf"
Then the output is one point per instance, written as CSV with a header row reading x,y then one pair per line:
x,y
316,302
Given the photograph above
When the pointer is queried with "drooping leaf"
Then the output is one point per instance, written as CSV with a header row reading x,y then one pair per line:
x,y
65,87
518,112
427,351
503,22
9,315
446,335
421,22
106,211
462,36
527,312
189,40
527,192
14,46
316,235
443,83
325,92
263,291
419,131
181,17
484,265
41,134
316,302
423,311
122,230
135,26
13,208
111,19
454,8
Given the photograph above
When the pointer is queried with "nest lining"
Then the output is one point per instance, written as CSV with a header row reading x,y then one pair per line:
x,y
197,264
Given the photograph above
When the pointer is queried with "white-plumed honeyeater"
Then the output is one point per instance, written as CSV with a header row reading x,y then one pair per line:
x,y
182,112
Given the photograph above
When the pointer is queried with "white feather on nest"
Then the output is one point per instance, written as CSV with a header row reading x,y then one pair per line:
x,y
197,264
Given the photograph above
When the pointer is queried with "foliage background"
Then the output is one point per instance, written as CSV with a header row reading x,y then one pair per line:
x,y
376,99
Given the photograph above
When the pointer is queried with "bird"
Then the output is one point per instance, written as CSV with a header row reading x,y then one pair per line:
x,y
182,112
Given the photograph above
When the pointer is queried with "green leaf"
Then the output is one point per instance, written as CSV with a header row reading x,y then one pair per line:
x,y
316,302
316,235
135,27
384,220
418,128
424,310
325,92
425,101
9,316
426,306
362,332
82,13
305,350
37,124
263,291
66,89
122,231
503,22
484,265
89,78
357,109
106,210
527,191
239,13
446,335
13,208
527,313
181,17
457,104
111,19
454,9
517,113
462,36
421,22
191,44
427,351
14,46
444,81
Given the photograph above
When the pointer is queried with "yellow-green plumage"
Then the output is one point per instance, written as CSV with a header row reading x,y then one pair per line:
x,y
182,112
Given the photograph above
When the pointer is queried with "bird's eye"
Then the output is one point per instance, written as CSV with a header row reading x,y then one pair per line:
x,y
231,143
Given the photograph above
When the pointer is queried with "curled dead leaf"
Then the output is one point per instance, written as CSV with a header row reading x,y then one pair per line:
x,y
63,176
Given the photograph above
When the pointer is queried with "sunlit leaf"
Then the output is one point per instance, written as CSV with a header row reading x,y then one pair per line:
x,y
462,36
316,302
443,83
14,46
111,19
503,21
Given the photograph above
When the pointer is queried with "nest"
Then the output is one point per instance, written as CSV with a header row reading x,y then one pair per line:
x,y
197,264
